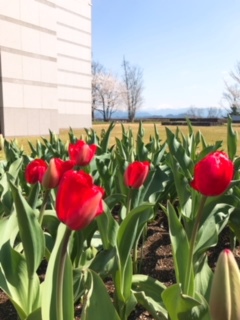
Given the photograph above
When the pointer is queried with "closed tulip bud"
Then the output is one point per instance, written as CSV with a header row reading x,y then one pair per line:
x,y
225,291
136,174
81,152
213,174
35,171
57,167
78,200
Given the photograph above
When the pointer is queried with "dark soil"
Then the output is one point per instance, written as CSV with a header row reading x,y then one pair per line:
x,y
156,261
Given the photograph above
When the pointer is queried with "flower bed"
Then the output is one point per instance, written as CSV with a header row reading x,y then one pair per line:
x,y
126,230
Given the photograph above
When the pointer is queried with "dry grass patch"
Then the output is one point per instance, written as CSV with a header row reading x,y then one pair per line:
x,y
211,134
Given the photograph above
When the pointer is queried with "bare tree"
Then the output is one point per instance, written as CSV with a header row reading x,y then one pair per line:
x,y
231,97
97,68
107,94
213,112
235,74
194,112
133,88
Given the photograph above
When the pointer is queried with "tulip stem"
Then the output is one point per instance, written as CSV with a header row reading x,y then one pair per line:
x,y
63,255
135,257
129,200
192,244
41,213
30,293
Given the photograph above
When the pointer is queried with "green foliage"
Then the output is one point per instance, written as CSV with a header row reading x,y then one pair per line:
x,y
98,304
78,262
47,149
148,293
52,290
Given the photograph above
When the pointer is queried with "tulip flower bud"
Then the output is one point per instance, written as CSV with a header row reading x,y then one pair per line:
x,y
81,152
78,200
225,291
213,174
35,171
136,174
57,167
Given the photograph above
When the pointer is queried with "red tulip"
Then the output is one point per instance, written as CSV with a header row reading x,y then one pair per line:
x,y
57,167
81,152
136,174
78,201
213,174
35,171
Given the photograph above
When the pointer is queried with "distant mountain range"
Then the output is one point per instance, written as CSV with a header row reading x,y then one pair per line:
x,y
163,113
160,113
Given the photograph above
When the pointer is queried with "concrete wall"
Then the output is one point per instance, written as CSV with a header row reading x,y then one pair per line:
x,y
45,66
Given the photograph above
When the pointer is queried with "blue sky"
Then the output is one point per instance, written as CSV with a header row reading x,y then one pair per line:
x,y
186,48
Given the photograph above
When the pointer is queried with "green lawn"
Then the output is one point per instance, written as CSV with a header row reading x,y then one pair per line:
x,y
211,134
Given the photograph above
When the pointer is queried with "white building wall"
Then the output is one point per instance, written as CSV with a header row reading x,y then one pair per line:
x,y
45,66
74,62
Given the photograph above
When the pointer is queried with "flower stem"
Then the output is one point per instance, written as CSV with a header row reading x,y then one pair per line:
x,y
144,232
129,200
30,294
41,213
137,264
61,269
135,258
192,244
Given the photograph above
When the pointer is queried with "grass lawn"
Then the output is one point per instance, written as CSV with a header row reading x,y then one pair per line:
x,y
211,134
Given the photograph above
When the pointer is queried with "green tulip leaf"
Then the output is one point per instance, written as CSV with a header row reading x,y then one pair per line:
x,y
49,245
178,151
180,247
8,229
148,293
179,306
15,283
215,218
234,222
14,169
108,228
30,232
104,145
201,311
131,228
114,199
141,150
232,138
105,262
35,315
155,183
220,209
207,236
98,305
33,197
6,195
50,222
203,278
78,284
180,182
128,233
50,302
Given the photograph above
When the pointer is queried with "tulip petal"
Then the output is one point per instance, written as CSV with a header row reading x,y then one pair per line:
x,y
35,171
213,174
136,174
81,153
79,201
